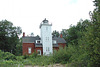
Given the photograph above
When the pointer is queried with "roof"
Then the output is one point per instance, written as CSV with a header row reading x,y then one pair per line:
x,y
38,45
33,40
59,39
55,45
30,39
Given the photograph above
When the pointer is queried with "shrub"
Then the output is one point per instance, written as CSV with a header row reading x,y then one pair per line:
x,y
19,58
34,55
1,54
61,56
9,56
26,56
27,62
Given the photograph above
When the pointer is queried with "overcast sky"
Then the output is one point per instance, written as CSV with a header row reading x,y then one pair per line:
x,y
28,14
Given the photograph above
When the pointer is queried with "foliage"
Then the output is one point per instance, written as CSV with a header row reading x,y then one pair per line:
x,y
91,38
61,56
7,56
34,55
75,33
19,48
10,63
83,42
8,36
86,38
55,34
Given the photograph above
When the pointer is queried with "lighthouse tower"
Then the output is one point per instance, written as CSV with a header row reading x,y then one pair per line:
x,y
46,37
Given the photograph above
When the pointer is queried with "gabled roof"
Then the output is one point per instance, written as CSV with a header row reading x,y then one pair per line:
x,y
33,39
29,39
59,39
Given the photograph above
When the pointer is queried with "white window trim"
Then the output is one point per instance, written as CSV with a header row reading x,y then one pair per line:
x,y
29,50
54,42
38,40
39,51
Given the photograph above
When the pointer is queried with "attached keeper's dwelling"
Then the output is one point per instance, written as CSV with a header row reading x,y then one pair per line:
x,y
44,45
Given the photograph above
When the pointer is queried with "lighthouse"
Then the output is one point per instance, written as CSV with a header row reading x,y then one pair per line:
x,y
46,37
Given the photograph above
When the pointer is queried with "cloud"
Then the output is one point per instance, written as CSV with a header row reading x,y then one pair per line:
x,y
28,14
73,1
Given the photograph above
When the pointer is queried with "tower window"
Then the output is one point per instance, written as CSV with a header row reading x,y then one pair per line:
x,y
47,38
46,28
47,49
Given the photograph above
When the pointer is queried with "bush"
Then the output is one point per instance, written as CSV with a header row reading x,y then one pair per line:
x,y
1,54
61,56
34,55
26,56
27,62
9,56
19,58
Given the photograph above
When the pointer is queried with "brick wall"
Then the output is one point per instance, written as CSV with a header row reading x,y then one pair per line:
x,y
62,44
26,46
32,45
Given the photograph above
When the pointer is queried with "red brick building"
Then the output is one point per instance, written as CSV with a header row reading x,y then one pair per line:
x,y
32,44
35,43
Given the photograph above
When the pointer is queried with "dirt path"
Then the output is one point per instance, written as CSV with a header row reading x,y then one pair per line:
x,y
55,65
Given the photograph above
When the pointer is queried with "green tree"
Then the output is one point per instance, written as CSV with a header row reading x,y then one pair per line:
x,y
19,48
72,35
8,36
91,37
63,32
55,33
75,33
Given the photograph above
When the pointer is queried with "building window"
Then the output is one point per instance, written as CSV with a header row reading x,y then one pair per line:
x,y
39,52
46,28
29,50
47,49
54,42
47,38
38,41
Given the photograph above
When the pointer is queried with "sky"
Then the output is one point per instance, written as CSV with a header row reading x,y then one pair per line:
x,y
28,14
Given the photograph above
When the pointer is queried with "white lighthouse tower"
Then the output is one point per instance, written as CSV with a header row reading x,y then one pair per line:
x,y
46,37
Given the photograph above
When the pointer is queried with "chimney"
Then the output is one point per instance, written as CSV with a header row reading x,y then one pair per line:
x,y
61,35
23,34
